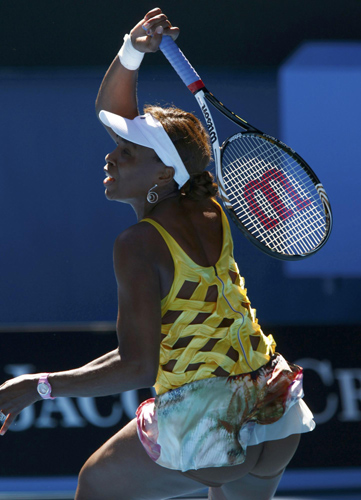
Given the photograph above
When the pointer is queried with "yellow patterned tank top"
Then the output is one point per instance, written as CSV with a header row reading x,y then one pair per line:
x,y
208,326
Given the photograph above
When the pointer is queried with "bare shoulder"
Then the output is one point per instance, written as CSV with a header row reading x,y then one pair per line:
x,y
134,237
138,244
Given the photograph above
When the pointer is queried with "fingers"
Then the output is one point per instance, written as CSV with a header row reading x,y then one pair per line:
x,y
157,24
154,12
2,418
15,395
9,419
152,24
173,32
3,412
147,34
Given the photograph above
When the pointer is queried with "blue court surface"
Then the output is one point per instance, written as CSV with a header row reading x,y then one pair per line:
x,y
305,484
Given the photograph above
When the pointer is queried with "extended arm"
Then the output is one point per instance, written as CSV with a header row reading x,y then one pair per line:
x,y
134,364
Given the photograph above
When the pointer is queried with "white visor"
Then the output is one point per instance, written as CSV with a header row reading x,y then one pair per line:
x,y
147,131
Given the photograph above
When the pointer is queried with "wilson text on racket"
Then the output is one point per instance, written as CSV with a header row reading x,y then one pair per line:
x,y
210,125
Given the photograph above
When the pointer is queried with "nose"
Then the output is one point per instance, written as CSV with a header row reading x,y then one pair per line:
x,y
110,158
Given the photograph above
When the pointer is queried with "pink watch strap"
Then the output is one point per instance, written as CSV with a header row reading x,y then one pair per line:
x,y
43,379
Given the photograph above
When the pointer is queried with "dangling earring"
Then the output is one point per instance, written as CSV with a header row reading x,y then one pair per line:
x,y
152,196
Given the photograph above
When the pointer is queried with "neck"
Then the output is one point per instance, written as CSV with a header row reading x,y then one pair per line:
x,y
143,208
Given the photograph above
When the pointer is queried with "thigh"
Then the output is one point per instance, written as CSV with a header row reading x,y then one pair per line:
x,y
248,487
264,460
261,480
276,455
122,470
213,476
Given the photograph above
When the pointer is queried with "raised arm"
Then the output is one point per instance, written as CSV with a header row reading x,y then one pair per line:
x,y
117,92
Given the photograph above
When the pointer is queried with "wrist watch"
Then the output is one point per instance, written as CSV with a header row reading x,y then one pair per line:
x,y
44,387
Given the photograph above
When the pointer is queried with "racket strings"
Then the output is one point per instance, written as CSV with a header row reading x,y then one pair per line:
x,y
299,237
275,158
272,195
295,234
254,166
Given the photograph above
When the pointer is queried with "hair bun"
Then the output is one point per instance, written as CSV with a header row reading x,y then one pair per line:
x,y
200,186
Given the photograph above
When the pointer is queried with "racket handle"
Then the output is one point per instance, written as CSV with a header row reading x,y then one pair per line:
x,y
181,64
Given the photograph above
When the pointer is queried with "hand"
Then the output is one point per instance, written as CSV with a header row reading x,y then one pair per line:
x,y
15,395
147,34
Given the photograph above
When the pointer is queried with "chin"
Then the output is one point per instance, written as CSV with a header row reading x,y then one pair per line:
x,y
110,195
113,197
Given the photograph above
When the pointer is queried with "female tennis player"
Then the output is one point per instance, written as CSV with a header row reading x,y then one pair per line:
x,y
229,411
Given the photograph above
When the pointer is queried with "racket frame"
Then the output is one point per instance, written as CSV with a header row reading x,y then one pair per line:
x,y
318,186
194,83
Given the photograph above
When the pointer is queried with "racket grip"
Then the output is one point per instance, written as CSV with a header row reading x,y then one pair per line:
x,y
179,62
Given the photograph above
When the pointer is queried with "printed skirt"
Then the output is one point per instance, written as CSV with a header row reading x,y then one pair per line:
x,y
210,422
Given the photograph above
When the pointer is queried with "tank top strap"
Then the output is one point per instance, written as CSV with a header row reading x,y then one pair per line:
x,y
171,243
177,251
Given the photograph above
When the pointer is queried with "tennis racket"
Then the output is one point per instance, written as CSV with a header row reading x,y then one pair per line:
x,y
269,191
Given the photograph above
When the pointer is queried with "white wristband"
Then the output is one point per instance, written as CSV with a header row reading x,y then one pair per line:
x,y
129,56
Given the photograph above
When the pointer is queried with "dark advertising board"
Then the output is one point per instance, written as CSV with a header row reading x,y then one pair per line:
x,y
56,437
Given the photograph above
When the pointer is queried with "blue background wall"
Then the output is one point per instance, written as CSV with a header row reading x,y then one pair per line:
x,y
57,230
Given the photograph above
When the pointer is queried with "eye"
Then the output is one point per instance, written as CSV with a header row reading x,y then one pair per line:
x,y
126,152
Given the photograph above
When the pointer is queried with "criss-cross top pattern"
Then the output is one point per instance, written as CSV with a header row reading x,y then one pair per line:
x,y
208,326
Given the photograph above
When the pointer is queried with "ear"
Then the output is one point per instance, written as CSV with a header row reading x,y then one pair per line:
x,y
165,176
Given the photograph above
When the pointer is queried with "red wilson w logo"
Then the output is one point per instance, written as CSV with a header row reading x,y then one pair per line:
x,y
273,198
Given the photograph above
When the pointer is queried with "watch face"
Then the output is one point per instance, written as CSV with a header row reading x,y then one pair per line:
x,y
43,389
